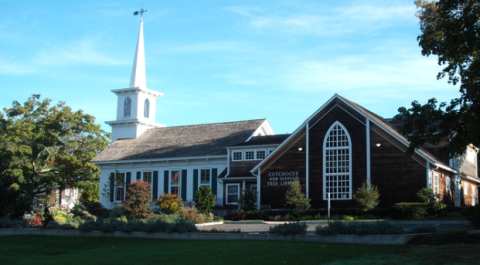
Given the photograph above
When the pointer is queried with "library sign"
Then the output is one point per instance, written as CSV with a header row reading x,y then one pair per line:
x,y
281,178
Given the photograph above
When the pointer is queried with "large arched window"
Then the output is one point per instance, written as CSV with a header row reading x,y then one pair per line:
x,y
127,107
146,108
337,163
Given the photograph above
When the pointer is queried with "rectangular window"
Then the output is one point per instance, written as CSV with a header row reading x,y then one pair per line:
x,y
75,193
67,192
249,155
120,187
175,182
436,188
447,183
237,156
261,154
205,177
147,177
233,193
465,188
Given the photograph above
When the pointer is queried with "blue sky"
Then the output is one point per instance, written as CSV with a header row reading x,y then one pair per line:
x,y
219,61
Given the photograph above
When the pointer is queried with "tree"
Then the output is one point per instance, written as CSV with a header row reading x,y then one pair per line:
x,y
138,198
43,148
204,199
247,200
295,197
367,196
450,30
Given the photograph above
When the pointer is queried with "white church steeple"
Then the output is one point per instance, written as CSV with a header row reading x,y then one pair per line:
x,y
135,105
139,77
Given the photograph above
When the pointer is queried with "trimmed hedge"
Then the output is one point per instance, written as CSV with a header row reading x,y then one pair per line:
x,y
409,210
359,228
295,228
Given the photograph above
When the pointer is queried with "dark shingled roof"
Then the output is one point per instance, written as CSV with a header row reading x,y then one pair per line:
x,y
181,141
265,140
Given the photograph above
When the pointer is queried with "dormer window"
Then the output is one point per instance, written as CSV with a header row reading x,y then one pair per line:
x,y
237,155
146,108
127,107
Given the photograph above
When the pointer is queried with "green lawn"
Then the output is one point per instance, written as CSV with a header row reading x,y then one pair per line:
x,y
99,250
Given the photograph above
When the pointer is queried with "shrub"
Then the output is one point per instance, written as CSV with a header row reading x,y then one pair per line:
x,y
192,216
68,226
88,226
170,203
52,225
157,226
472,214
107,227
427,196
60,219
133,226
116,211
204,199
367,196
169,218
235,216
296,198
295,228
182,226
360,228
247,200
138,197
306,218
8,223
409,210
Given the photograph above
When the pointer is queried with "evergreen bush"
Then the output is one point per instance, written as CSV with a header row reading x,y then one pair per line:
x,y
52,225
296,198
88,226
367,196
157,226
204,199
247,200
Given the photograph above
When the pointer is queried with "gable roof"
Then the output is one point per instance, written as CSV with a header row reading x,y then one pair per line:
x,y
181,141
376,119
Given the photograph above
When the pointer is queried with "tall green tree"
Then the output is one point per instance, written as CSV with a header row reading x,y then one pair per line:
x,y
295,197
44,147
451,31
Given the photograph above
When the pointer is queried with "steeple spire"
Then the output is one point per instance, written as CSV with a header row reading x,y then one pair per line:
x,y
139,77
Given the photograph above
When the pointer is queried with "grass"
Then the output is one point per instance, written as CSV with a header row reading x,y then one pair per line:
x,y
103,250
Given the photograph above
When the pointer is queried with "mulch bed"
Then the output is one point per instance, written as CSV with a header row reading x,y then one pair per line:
x,y
445,239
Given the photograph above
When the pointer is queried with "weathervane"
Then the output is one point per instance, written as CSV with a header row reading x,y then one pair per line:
x,y
140,12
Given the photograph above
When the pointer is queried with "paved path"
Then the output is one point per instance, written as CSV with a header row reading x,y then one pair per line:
x,y
262,227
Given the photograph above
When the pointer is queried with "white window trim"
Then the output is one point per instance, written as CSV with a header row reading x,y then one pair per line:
x,y
226,193
67,192
75,193
448,184
179,182
474,199
465,188
233,155
325,174
200,178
